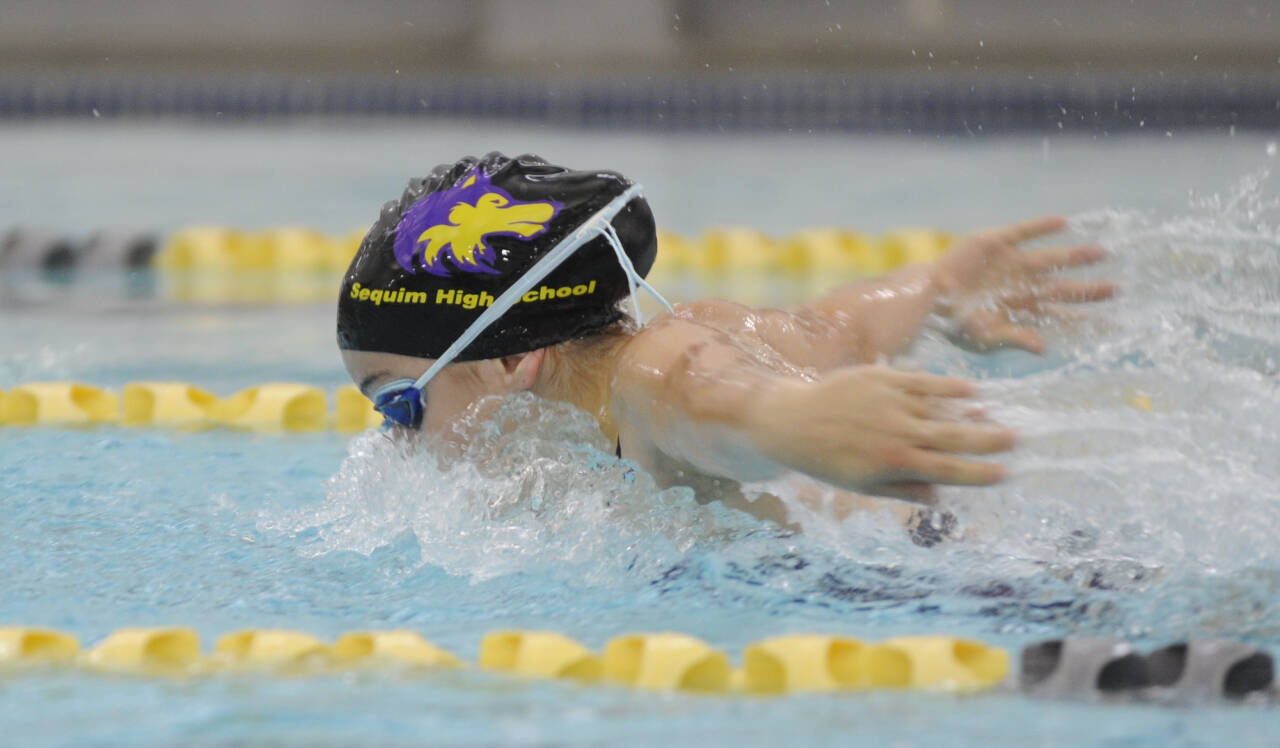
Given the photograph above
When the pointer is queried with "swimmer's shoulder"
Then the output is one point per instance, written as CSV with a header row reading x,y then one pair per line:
x,y
717,314
670,337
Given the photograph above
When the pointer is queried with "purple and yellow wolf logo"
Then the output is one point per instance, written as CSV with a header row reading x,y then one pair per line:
x,y
454,223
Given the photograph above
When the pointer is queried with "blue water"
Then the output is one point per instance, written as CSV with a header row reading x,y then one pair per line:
x,y
1116,521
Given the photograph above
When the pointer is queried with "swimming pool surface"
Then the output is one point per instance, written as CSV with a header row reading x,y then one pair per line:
x,y
1151,525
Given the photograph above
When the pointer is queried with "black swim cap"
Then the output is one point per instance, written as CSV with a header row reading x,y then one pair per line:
x,y
435,260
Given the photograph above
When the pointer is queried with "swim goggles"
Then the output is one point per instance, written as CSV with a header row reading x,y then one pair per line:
x,y
404,401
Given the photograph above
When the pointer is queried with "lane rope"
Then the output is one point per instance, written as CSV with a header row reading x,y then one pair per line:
x,y
299,249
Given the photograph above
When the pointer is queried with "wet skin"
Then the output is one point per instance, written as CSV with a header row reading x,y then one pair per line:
x,y
719,390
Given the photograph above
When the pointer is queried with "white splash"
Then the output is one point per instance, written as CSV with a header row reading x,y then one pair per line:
x,y
533,489
1153,434
1150,452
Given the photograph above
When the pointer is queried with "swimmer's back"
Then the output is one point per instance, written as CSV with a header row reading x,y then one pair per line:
x,y
693,362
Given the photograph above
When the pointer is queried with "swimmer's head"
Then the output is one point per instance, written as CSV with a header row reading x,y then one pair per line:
x,y
457,239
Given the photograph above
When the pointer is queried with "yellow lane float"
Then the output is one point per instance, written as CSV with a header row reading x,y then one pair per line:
x,y
949,664
297,248
58,403
21,645
665,661
794,663
292,249
275,649
814,662
199,248
674,253
147,651
353,411
910,246
278,406
406,647
278,249
828,250
541,654
166,404
734,249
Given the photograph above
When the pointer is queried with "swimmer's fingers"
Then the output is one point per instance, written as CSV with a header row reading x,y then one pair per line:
x,y
1059,290
1056,258
1063,315
914,491
933,385
943,408
935,467
962,438
1074,291
1008,334
991,330
1033,229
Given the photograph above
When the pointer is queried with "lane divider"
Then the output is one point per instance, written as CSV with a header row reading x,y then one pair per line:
x,y
668,662
392,646
289,248
270,407
540,654
1195,670
222,251
661,661
1082,667
808,662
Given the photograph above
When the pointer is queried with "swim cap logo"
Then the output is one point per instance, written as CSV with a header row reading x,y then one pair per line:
x,y
454,223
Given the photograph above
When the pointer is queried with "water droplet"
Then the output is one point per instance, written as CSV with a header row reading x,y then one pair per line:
x,y
1271,149
96,113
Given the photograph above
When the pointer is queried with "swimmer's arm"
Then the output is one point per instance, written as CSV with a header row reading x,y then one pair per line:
x,y
858,323
874,319
985,284
686,392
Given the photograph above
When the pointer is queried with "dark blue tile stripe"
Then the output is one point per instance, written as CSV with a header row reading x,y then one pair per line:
x,y
822,102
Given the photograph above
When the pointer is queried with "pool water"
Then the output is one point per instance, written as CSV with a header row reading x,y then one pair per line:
x,y
1151,524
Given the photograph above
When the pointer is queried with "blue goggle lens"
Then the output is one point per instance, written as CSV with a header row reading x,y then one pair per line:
x,y
402,406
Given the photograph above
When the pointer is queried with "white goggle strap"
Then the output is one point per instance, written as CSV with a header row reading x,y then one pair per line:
x,y
541,269
633,278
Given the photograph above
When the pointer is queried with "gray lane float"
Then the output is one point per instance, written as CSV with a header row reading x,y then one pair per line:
x,y
1211,668
36,248
118,248
1074,667
1196,670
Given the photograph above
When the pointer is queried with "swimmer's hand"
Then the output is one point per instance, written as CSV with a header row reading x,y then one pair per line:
x,y
877,430
993,290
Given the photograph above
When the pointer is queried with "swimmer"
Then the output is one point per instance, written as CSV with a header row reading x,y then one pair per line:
x,y
500,275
